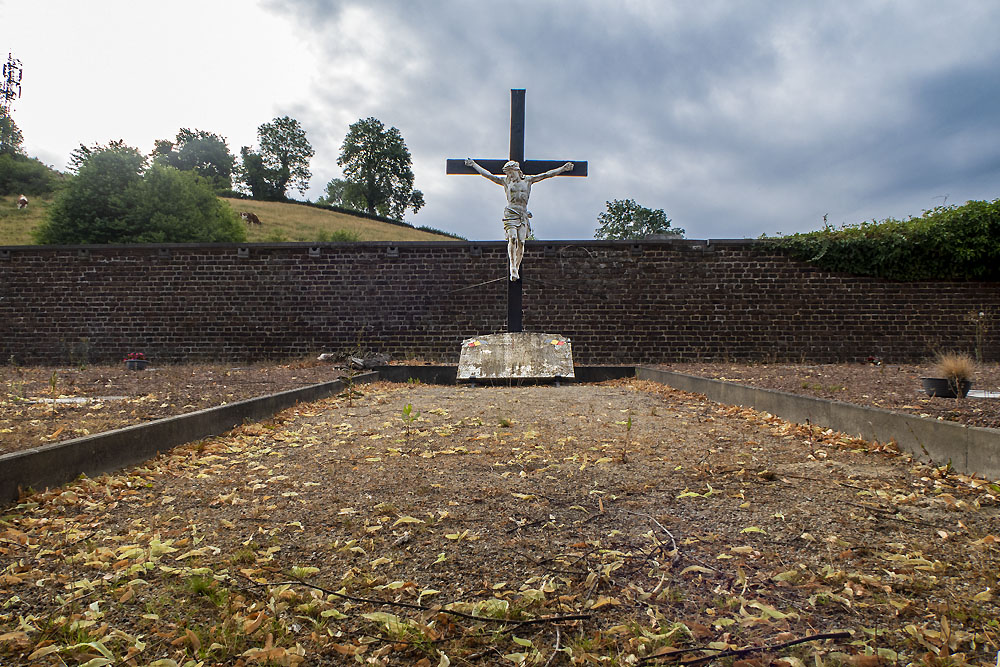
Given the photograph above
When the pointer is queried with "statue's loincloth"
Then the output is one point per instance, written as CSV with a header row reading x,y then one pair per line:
x,y
514,219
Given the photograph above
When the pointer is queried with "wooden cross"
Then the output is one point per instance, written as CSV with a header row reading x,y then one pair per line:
x,y
528,167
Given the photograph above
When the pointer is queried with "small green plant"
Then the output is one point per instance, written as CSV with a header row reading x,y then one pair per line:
x,y
504,422
409,416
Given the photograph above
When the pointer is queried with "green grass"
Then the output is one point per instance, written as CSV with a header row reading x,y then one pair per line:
x,y
279,222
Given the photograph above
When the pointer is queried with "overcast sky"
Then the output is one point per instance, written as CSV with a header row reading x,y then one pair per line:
x,y
738,118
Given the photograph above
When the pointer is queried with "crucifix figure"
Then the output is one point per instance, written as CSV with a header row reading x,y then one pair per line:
x,y
516,226
518,175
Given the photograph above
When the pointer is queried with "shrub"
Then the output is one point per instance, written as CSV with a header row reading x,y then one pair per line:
x,y
957,367
20,174
946,242
111,200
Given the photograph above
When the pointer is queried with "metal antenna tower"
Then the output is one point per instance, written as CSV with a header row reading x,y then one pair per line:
x,y
11,89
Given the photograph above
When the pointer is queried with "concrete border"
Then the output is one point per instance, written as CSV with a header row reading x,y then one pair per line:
x,y
62,462
969,449
448,374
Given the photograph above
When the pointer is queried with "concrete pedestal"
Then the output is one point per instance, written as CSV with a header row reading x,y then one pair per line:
x,y
516,355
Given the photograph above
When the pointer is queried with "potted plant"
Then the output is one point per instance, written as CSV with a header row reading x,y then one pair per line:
x,y
135,361
954,379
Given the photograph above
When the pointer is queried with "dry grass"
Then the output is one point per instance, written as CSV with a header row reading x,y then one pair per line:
x,y
291,222
956,366
280,222
16,226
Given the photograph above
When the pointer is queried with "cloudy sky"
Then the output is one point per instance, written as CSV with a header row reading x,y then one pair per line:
x,y
738,118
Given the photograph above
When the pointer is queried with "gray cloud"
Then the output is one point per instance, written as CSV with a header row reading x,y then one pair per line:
x,y
736,118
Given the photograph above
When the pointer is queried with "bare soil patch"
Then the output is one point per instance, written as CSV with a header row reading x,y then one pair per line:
x,y
585,524
39,405
116,397
893,387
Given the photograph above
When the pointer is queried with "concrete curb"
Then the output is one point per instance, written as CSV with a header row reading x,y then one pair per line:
x,y
448,374
62,462
969,449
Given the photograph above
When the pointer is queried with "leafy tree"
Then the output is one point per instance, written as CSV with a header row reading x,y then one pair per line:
x,y
377,164
79,156
261,181
20,174
282,162
205,153
10,136
625,219
343,193
114,199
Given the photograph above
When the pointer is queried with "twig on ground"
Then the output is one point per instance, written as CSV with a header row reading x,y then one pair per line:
x,y
555,650
743,651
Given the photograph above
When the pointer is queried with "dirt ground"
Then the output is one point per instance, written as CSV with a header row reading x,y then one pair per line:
x,y
93,399
893,387
623,523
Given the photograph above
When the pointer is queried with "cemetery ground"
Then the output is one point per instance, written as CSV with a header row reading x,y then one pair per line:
x,y
617,523
42,405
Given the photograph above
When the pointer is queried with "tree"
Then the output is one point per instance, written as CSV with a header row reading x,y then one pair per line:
x,y
20,174
377,163
261,181
283,160
625,219
205,153
341,192
79,156
115,199
10,136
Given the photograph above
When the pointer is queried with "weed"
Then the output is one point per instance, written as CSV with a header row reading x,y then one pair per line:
x,y
244,556
409,416
207,588
628,433
981,323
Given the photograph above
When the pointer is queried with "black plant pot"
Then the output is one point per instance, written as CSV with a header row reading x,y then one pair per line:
x,y
946,387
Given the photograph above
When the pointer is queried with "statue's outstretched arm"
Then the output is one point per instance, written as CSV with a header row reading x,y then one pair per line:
x,y
469,162
553,172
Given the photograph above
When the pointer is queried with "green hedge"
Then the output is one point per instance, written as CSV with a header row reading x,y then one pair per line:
x,y
960,242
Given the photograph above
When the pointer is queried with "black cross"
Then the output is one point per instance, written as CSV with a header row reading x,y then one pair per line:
x,y
528,167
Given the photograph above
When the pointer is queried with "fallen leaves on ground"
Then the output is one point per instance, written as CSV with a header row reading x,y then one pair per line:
x,y
506,526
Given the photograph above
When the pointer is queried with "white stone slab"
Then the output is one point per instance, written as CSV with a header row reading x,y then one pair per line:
x,y
516,355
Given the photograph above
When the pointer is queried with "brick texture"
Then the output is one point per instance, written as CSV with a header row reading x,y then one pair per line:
x,y
619,302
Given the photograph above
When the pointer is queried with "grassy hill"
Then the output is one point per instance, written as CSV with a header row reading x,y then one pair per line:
x,y
294,222
279,222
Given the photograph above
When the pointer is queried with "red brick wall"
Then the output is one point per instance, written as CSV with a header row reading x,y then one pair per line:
x,y
620,303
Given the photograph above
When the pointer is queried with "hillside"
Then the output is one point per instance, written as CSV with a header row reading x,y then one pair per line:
x,y
294,222
279,222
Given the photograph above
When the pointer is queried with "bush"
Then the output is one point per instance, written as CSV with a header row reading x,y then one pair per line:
x,y
112,201
20,174
944,243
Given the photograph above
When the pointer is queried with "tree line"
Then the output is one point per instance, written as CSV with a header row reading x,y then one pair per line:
x,y
116,194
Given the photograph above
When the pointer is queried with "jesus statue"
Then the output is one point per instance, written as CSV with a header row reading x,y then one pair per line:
x,y
515,215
